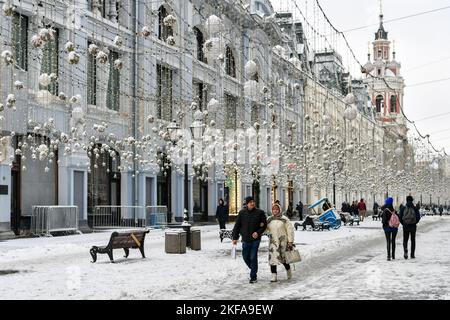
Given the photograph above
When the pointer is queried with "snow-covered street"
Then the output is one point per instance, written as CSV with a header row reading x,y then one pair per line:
x,y
348,263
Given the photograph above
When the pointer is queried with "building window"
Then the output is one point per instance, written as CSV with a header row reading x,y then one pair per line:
x,y
113,93
393,104
92,79
230,64
163,31
20,40
231,110
200,95
164,92
379,103
200,41
50,62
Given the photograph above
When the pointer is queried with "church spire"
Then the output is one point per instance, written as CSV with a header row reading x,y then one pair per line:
x,y
381,33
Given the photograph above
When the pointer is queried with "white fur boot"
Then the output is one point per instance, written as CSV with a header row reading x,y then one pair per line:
x,y
274,277
289,273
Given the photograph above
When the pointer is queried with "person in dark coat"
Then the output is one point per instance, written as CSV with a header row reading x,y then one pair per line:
x,y
354,209
441,210
250,224
375,210
290,210
222,214
409,221
299,209
390,232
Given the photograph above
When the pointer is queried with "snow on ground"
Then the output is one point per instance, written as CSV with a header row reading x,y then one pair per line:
x,y
348,263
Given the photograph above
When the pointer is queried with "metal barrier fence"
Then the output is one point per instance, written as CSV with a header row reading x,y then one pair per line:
x,y
156,216
47,219
112,217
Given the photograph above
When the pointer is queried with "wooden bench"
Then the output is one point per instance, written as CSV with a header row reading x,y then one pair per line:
x,y
122,240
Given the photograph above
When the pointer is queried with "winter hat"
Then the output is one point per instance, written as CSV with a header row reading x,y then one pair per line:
x,y
389,201
248,199
409,199
277,205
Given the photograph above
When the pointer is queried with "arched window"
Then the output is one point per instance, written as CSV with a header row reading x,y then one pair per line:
x,y
393,104
379,103
200,41
163,31
230,64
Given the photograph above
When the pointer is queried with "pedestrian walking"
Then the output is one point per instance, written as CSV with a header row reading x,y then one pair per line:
x,y
354,209
250,224
375,210
222,214
441,210
409,217
281,240
290,210
299,209
390,221
362,209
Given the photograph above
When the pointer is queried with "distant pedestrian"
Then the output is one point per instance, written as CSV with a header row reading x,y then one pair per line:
x,y
354,209
290,210
362,209
281,240
222,214
390,226
250,224
375,211
299,209
441,210
409,217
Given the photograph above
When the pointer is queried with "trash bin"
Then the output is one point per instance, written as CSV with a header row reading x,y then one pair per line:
x,y
196,243
175,241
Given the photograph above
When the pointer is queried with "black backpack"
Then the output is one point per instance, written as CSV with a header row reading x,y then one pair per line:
x,y
409,215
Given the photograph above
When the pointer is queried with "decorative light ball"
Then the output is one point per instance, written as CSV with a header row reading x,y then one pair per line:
x,y
102,57
7,57
351,112
69,46
171,41
270,105
251,68
151,119
73,57
349,98
44,80
213,25
118,41
399,151
36,41
213,105
145,31
213,48
7,9
118,64
307,117
212,123
170,20
264,90
251,90
93,49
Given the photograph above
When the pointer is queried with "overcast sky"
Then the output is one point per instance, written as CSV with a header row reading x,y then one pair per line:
x,y
420,42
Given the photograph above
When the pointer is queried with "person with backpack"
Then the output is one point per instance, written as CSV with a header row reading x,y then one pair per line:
x,y
390,222
409,217
281,240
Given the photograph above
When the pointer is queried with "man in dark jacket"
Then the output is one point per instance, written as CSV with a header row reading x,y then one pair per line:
x,y
222,214
250,224
409,217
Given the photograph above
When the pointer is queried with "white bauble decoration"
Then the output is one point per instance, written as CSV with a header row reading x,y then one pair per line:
x,y
351,112
145,31
213,105
69,46
213,25
7,57
36,41
102,57
93,49
251,68
170,20
118,64
213,48
73,57
399,151
251,90
118,41
44,80
170,41
7,9
349,98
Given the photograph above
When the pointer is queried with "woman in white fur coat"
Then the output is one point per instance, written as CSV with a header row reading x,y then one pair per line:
x,y
281,240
